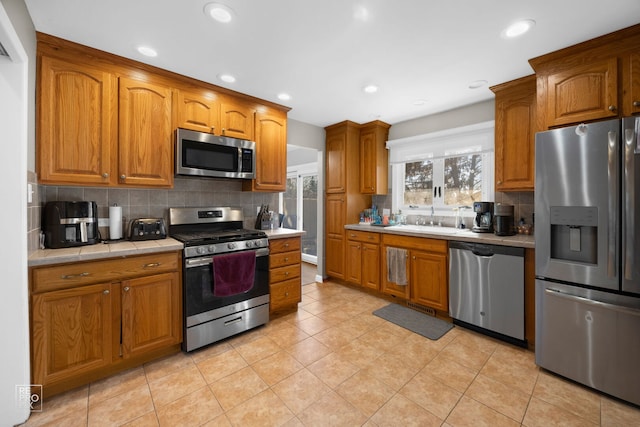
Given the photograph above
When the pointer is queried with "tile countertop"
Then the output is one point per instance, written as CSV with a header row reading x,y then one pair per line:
x,y
125,248
102,251
449,233
283,233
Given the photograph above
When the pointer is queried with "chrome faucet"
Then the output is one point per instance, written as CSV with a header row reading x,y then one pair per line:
x,y
432,215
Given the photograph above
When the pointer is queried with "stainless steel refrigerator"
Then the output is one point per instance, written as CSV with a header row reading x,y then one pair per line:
x,y
587,211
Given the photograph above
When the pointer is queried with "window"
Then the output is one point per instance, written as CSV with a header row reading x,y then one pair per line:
x,y
442,170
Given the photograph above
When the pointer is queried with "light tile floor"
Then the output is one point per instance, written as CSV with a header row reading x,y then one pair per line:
x,y
333,363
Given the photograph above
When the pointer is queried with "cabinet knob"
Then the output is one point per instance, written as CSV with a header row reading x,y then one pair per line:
x,y
105,175
612,108
123,176
213,128
106,292
286,259
414,257
223,131
286,294
286,273
499,182
126,289
286,245
636,103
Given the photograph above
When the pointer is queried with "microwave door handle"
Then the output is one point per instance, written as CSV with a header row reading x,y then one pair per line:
x,y
629,206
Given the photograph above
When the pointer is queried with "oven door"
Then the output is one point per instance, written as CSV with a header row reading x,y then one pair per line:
x,y
200,303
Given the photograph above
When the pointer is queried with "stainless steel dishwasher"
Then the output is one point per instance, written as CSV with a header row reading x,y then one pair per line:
x,y
486,289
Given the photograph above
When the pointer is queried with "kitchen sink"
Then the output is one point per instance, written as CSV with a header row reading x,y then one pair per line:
x,y
427,229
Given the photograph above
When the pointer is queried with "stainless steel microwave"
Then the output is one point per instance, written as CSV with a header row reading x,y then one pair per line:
x,y
207,155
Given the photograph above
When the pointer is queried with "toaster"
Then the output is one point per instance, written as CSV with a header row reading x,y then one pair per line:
x,y
147,229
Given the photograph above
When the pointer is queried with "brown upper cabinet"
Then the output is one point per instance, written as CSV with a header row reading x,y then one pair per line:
x,y
594,80
146,134
515,128
111,123
374,158
198,111
271,152
237,118
77,124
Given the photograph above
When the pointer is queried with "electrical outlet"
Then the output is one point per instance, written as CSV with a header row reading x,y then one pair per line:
x,y
103,222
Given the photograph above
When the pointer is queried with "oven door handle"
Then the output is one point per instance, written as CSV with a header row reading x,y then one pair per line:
x,y
199,262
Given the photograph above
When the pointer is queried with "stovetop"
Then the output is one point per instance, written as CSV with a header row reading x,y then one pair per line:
x,y
204,237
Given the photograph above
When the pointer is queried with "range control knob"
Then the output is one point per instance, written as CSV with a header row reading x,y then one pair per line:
x,y
231,245
212,249
201,250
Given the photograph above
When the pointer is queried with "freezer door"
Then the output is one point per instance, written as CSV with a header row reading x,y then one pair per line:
x,y
631,210
590,337
577,204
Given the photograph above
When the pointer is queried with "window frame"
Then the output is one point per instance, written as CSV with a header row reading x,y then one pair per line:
x,y
436,147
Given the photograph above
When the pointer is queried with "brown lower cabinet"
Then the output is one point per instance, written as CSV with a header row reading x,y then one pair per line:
x,y
285,281
91,319
363,259
426,270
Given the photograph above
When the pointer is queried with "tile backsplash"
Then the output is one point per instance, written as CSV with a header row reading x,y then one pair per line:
x,y
148,203
522,202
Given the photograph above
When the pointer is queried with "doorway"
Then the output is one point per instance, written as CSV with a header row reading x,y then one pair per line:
x,y
299,203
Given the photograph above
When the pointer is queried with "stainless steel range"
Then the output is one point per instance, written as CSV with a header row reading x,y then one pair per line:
x,y
225,273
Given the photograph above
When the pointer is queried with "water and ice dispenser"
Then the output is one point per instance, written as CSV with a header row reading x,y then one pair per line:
x,y
574,233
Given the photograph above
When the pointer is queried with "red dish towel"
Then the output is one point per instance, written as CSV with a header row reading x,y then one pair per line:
x,y
233,273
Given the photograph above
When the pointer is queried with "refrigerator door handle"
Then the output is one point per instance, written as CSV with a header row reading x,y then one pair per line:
x,y
592,302
629,202
613,203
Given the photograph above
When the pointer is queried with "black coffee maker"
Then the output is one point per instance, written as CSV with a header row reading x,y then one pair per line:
x,y
483,221
68,224
503,217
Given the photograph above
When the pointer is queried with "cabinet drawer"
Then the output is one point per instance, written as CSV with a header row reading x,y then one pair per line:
x,y
285,258
363,236
284,273
422,243
64,276
285,293
284,245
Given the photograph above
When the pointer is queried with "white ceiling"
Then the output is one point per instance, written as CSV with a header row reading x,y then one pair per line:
x,y
324,52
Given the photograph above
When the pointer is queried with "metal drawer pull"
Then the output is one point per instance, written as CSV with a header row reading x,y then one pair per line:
x,y
286,259
232,321
151,264
74,276
126,289
286,273
106,292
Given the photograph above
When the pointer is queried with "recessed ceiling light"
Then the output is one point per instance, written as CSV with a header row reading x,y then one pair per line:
x,y
284,96
227,78
419,102
477,84
147,51
219,12
518,28
370,89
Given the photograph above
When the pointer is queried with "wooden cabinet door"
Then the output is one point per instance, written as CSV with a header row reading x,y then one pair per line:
x,y
335,257
334,216
391,288
146,134
354,262
271,153
368,161
515,136
371,266
71,333
581,93
198,111
335,176
77,124
429,280
151,313
236,119
634,85
374,158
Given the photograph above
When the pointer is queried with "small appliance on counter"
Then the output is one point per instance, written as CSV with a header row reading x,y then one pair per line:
x,y
69,224
504,223
483,221
147,229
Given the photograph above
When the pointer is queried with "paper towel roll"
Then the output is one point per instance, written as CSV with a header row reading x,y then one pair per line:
x,y
115,222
